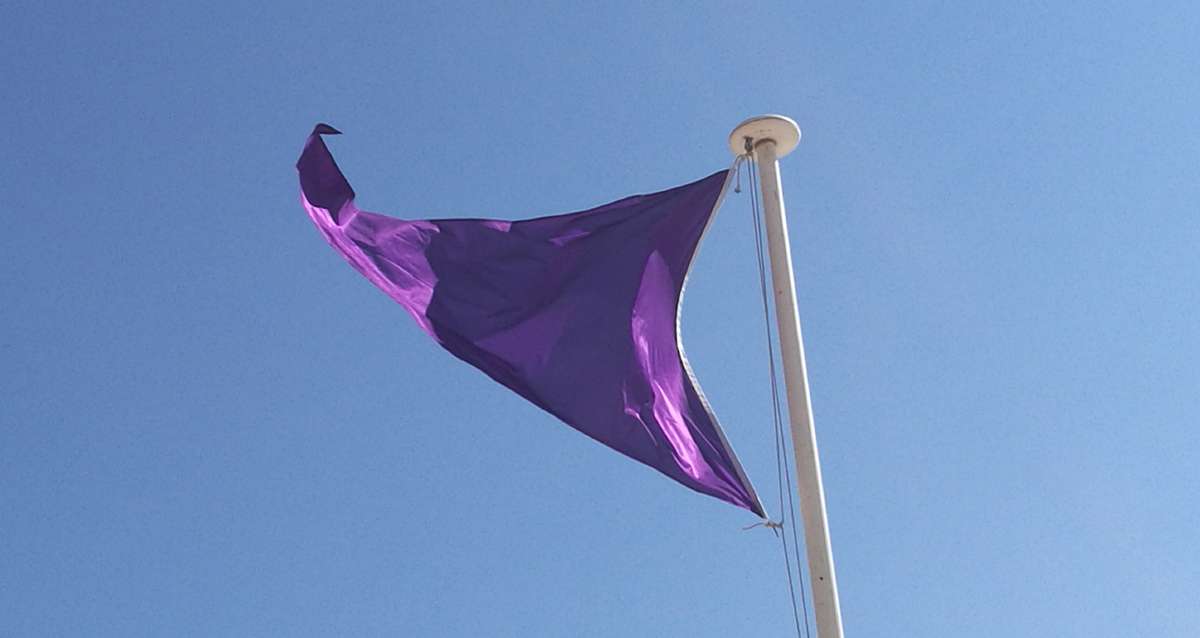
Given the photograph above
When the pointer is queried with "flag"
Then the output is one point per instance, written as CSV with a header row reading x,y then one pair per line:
x,y
578,313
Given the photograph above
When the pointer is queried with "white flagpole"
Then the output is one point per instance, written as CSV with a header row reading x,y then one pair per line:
x,y
771,137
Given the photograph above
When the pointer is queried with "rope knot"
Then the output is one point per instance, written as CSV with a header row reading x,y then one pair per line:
x,y
769,524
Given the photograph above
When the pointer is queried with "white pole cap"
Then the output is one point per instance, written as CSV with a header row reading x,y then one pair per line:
x,y
783,130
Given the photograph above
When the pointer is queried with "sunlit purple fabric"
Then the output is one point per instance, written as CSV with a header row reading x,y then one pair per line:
x,y
576,312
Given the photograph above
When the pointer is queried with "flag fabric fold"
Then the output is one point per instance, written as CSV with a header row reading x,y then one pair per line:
x,y
578,313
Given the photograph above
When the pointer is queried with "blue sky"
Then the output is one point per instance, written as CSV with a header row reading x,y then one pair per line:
x,y
211,426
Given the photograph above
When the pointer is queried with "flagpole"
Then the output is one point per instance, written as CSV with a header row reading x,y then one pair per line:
x,y
770,137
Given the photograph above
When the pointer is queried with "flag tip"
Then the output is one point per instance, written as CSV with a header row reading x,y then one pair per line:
x,y
325,129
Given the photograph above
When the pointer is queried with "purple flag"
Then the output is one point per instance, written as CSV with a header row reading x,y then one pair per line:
x,y
577,313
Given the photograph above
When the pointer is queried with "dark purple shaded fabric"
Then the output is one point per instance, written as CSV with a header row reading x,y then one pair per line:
x,y
577,312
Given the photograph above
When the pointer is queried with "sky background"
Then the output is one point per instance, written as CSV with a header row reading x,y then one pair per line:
x,y
211,426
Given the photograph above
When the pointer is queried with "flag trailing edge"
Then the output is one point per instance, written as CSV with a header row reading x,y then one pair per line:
x,y
577,313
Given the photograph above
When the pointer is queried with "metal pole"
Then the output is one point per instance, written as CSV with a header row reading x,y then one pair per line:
x,y
770,137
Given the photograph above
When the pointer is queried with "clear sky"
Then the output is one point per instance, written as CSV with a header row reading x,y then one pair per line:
x,y
211,426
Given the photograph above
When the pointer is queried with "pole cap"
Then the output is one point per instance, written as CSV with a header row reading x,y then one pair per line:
x,y
780,128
